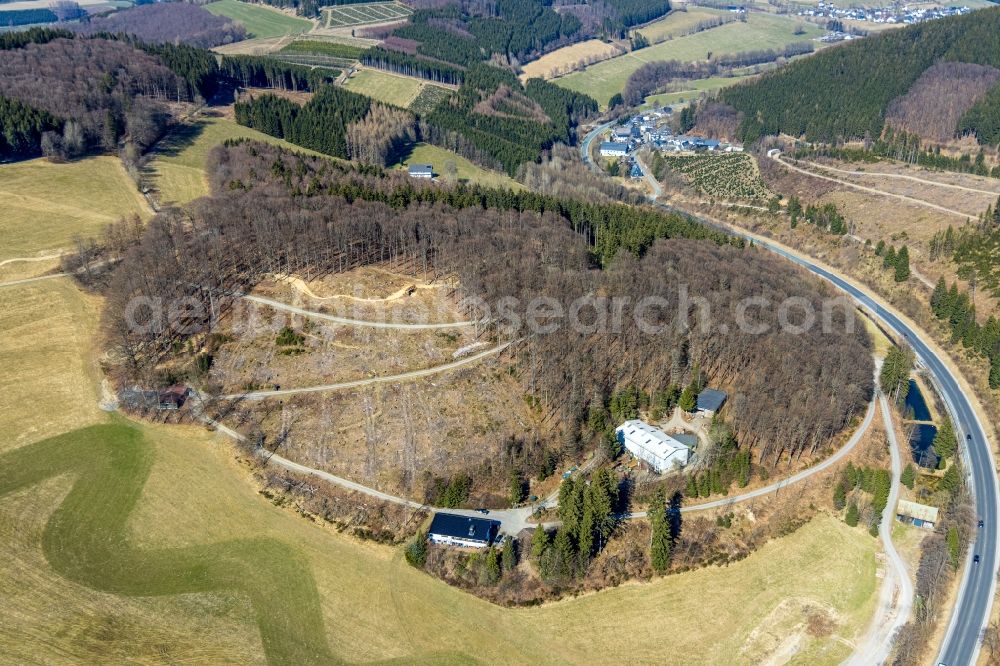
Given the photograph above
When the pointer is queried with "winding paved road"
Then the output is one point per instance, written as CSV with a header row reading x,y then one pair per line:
x,y
962,640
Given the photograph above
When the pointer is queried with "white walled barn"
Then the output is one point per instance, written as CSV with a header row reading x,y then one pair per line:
x,y
653,446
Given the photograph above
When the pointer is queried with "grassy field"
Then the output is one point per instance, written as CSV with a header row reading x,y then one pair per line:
x,y
260,20
178,168
49,377
389,88
343,16
122,542
692,89
425,153
558,61
678,23
763,31
46,205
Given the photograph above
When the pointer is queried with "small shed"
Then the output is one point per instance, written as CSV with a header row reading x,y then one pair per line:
x,y
711,401
173,397
421,171
918,515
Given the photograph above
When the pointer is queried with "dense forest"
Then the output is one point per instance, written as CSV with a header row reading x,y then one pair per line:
x,y
493,119
170,22
844,92
66,95
100,89
516,31
508,129
320,124
274,211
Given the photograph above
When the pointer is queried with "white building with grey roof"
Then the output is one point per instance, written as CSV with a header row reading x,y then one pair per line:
x,y
653,446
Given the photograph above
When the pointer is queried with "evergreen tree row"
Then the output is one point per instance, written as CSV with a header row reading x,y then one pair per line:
x,y
905,147
408,65
320,124
955,309
898,261
263,72
21,128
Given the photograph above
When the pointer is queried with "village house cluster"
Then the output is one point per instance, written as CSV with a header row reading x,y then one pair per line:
x,y
894,14
651,129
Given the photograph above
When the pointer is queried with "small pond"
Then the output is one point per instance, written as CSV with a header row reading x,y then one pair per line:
x,y
916,405
920,445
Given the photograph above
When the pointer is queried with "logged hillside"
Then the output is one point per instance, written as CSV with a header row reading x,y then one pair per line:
x,y
845,92
510,248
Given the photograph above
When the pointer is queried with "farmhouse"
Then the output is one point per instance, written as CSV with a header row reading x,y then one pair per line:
x,y
421,171
710,401
651,445
614,149
452,529
918,515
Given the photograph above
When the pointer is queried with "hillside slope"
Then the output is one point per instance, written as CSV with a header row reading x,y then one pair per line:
x,y
844,92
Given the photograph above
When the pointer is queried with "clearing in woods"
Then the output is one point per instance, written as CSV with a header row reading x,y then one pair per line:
x,y
93,563
177,171
385,87
762,31
259,20
46,205
439,158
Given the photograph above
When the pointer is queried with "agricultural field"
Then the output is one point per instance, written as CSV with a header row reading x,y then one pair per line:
x,y
729,176
428,99
564,59
177,171
763,31
260,21
425,153
46,205
678,23
324,48
344,16
392,89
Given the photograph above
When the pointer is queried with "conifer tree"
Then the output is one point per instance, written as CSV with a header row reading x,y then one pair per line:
x,y
659,550
908,476
852,515
902,265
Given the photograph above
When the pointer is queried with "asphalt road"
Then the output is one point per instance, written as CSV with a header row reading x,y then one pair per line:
x,y
971,613
962,640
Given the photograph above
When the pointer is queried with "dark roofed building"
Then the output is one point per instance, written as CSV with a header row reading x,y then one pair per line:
x,y
173,397
466,531
710,401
